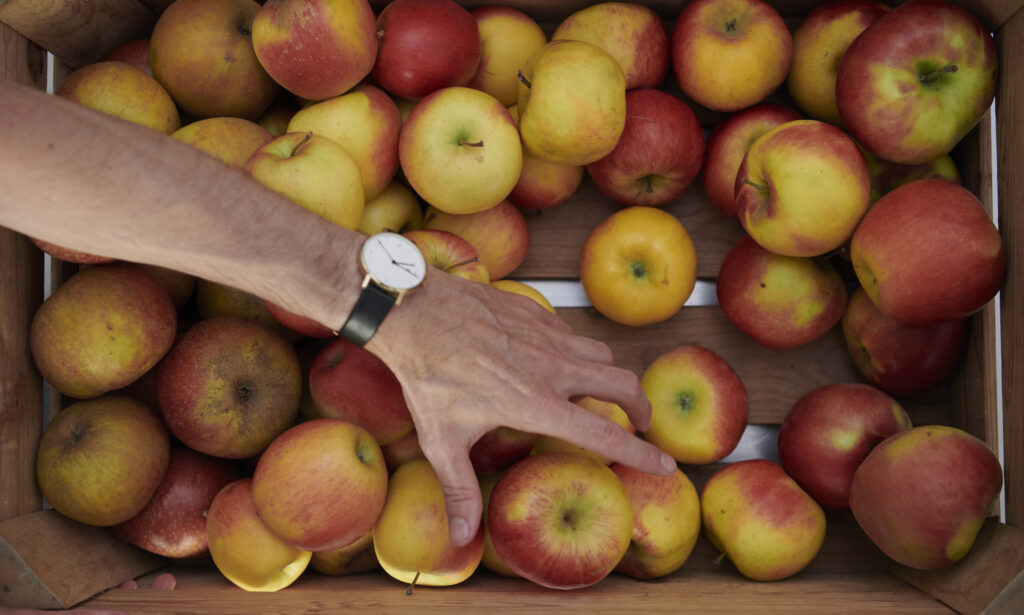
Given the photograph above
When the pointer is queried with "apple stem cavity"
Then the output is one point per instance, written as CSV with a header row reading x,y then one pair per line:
x,y
408,590
756,186
473,144
522,78
638,269
305,139
465,262
929,78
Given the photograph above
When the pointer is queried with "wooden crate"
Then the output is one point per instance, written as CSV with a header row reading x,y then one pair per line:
x,y
49,562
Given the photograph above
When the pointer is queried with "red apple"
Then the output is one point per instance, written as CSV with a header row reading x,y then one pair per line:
x,y
899,358
299,324
450,253
71,256
404,449
927,252
829,431
499,448
173,523
425,45
350,383
500,234
229,386
134,52
923,494
779,301
658,155
727,143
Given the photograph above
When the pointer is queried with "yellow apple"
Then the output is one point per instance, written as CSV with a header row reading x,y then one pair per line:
x,y
244,549
355,558
572,103
366,122
543,184
638,266
514,286
125,91
315,172
508,37
490,558
460,150
411,535
231,140
608,410
396,209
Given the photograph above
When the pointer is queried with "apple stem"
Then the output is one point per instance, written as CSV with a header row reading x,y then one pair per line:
x,y
718,559
928,78
473,144
465,262
521,77
305,139
649,185
760,187
408,591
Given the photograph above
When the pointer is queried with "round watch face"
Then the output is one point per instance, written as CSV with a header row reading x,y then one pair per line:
x,y
393,261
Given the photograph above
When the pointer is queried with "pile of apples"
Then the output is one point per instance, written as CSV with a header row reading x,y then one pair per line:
x,y
206,421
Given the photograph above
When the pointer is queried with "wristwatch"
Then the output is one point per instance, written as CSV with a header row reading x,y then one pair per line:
x,y
393,266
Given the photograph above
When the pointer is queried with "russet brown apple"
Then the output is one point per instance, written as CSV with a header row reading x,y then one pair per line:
x,y
231,140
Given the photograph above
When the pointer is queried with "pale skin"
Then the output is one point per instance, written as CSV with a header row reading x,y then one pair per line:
x,y
469,357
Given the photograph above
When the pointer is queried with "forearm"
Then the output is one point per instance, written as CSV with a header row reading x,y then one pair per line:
x,y
86,181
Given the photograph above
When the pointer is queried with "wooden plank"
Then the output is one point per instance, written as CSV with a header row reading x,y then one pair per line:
x,y
21,387
1010,118
975,582
78,31
48,560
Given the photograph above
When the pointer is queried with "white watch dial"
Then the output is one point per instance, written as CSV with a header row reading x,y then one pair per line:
x,y
394,261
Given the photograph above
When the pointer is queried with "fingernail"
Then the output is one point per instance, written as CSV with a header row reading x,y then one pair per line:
x,y
667,463
458,529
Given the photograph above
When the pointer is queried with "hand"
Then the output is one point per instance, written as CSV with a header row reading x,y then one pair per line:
x,y
471,358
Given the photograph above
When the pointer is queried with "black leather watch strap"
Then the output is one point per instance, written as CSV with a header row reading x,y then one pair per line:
x,y
373,305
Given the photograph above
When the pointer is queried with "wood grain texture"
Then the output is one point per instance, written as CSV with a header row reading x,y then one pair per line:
x,y
994,562
1010,117
63,562
78,31
21,278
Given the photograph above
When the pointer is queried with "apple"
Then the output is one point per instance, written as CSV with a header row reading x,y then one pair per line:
x,y
638,266
231,140
214,299
921,495
450,253
521,288
366,122
829,431
350,383
779,301
887,176
102,329
201,52
313,171
666,522
276,117
802,188
927,252
916,81
500,234
632,33
306,350
604,409
173,523
179,286
728,142
659,154
395,209
125,91
490,558
747,36
460,151
819,42
499,448
761,519
316,49
244,549
898,358
300,325
699,405
69,255
572,103
135,52
561,520
543,184
101,460
425,45
229,386
355,558
320,485
411,537
401,450
508,37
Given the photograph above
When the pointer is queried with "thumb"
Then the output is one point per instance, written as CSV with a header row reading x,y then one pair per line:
x,y
461,495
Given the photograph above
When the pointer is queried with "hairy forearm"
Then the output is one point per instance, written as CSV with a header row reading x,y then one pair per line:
x,y
82,180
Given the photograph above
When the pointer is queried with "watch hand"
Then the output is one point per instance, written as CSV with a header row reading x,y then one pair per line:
x,y
383,247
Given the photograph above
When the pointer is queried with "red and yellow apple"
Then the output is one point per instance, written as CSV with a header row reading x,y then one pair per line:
x,y
500,234
135,52
543,184
490,558
450,253
395,209
508,37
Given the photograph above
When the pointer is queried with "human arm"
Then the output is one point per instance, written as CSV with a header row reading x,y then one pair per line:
x,y
469,357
